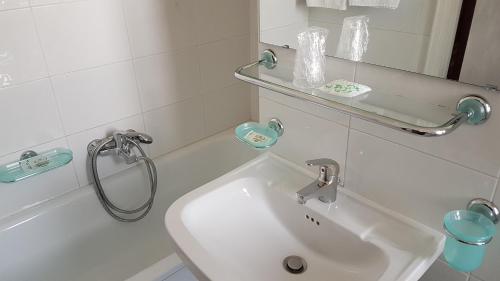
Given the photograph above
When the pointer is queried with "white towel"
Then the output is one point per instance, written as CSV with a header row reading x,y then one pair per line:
x,y
332,4
390,4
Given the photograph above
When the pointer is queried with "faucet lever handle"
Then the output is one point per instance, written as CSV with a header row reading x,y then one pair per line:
x,y
328,170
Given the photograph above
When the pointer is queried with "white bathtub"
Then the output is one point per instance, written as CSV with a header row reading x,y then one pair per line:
x,y
72,238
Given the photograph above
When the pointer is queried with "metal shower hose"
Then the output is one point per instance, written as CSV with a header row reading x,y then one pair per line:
x,y
113,210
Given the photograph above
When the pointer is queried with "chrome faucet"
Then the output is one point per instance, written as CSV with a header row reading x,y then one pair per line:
x,y
325,187
120,142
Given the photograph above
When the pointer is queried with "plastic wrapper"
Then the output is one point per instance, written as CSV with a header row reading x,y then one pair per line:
x,y
310,61
354,39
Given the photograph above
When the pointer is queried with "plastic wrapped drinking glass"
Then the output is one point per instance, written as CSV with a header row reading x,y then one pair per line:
x,y
310,61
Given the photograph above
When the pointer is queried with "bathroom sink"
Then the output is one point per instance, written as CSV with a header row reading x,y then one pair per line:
x,y
243,225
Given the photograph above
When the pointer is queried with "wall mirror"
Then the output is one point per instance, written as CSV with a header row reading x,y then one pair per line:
x,y
452,39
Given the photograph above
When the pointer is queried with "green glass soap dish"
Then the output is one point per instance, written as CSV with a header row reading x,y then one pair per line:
x,y
260,136
32,164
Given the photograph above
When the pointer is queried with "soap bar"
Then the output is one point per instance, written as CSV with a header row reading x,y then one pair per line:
x,y
345,88
34,163
256,138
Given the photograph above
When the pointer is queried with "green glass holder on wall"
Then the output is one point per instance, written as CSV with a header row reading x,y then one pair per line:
x,y
468,234
32,164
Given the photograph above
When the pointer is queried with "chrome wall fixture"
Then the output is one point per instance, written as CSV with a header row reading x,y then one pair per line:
x,y
123,144
471,109
485,207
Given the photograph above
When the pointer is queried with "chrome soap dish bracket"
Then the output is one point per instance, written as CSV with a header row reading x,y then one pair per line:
x,y
260,136
471,109
468,233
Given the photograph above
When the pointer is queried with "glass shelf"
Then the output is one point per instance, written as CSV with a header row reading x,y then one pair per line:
x,y
32,164
393,111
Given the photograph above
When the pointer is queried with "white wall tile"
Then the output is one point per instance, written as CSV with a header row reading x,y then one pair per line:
x,y
13,4
475,147
175,125
82,34
218,19
419,186
226,108
23,194
21,57
29,116
108,164
90,98
157,26
168,78
490,270
306,136
219,60
440,271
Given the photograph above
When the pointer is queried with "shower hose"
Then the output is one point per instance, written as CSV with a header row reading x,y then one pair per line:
x,y
114,211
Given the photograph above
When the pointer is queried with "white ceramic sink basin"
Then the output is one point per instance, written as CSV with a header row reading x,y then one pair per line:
x,y
242,226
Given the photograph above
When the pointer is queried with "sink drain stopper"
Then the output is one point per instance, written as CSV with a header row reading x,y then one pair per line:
x,y
294,264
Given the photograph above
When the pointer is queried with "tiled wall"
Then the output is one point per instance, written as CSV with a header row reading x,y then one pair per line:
x,y
73,71
422,178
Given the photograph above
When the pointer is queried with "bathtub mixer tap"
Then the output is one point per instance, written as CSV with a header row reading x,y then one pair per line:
x,y
123,143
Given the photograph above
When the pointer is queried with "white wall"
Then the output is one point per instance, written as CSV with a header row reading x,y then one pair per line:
x,y
481,64
73,71
422,178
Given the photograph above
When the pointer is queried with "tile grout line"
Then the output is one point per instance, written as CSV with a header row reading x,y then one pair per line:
x,y
354,74
134,68
54,96
200,93
495,190
132,58
346,163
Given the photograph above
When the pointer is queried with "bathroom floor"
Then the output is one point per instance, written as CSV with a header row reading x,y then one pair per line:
x,y
183,274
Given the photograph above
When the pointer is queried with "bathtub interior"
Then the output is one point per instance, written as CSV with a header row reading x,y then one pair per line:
x,y
72,238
